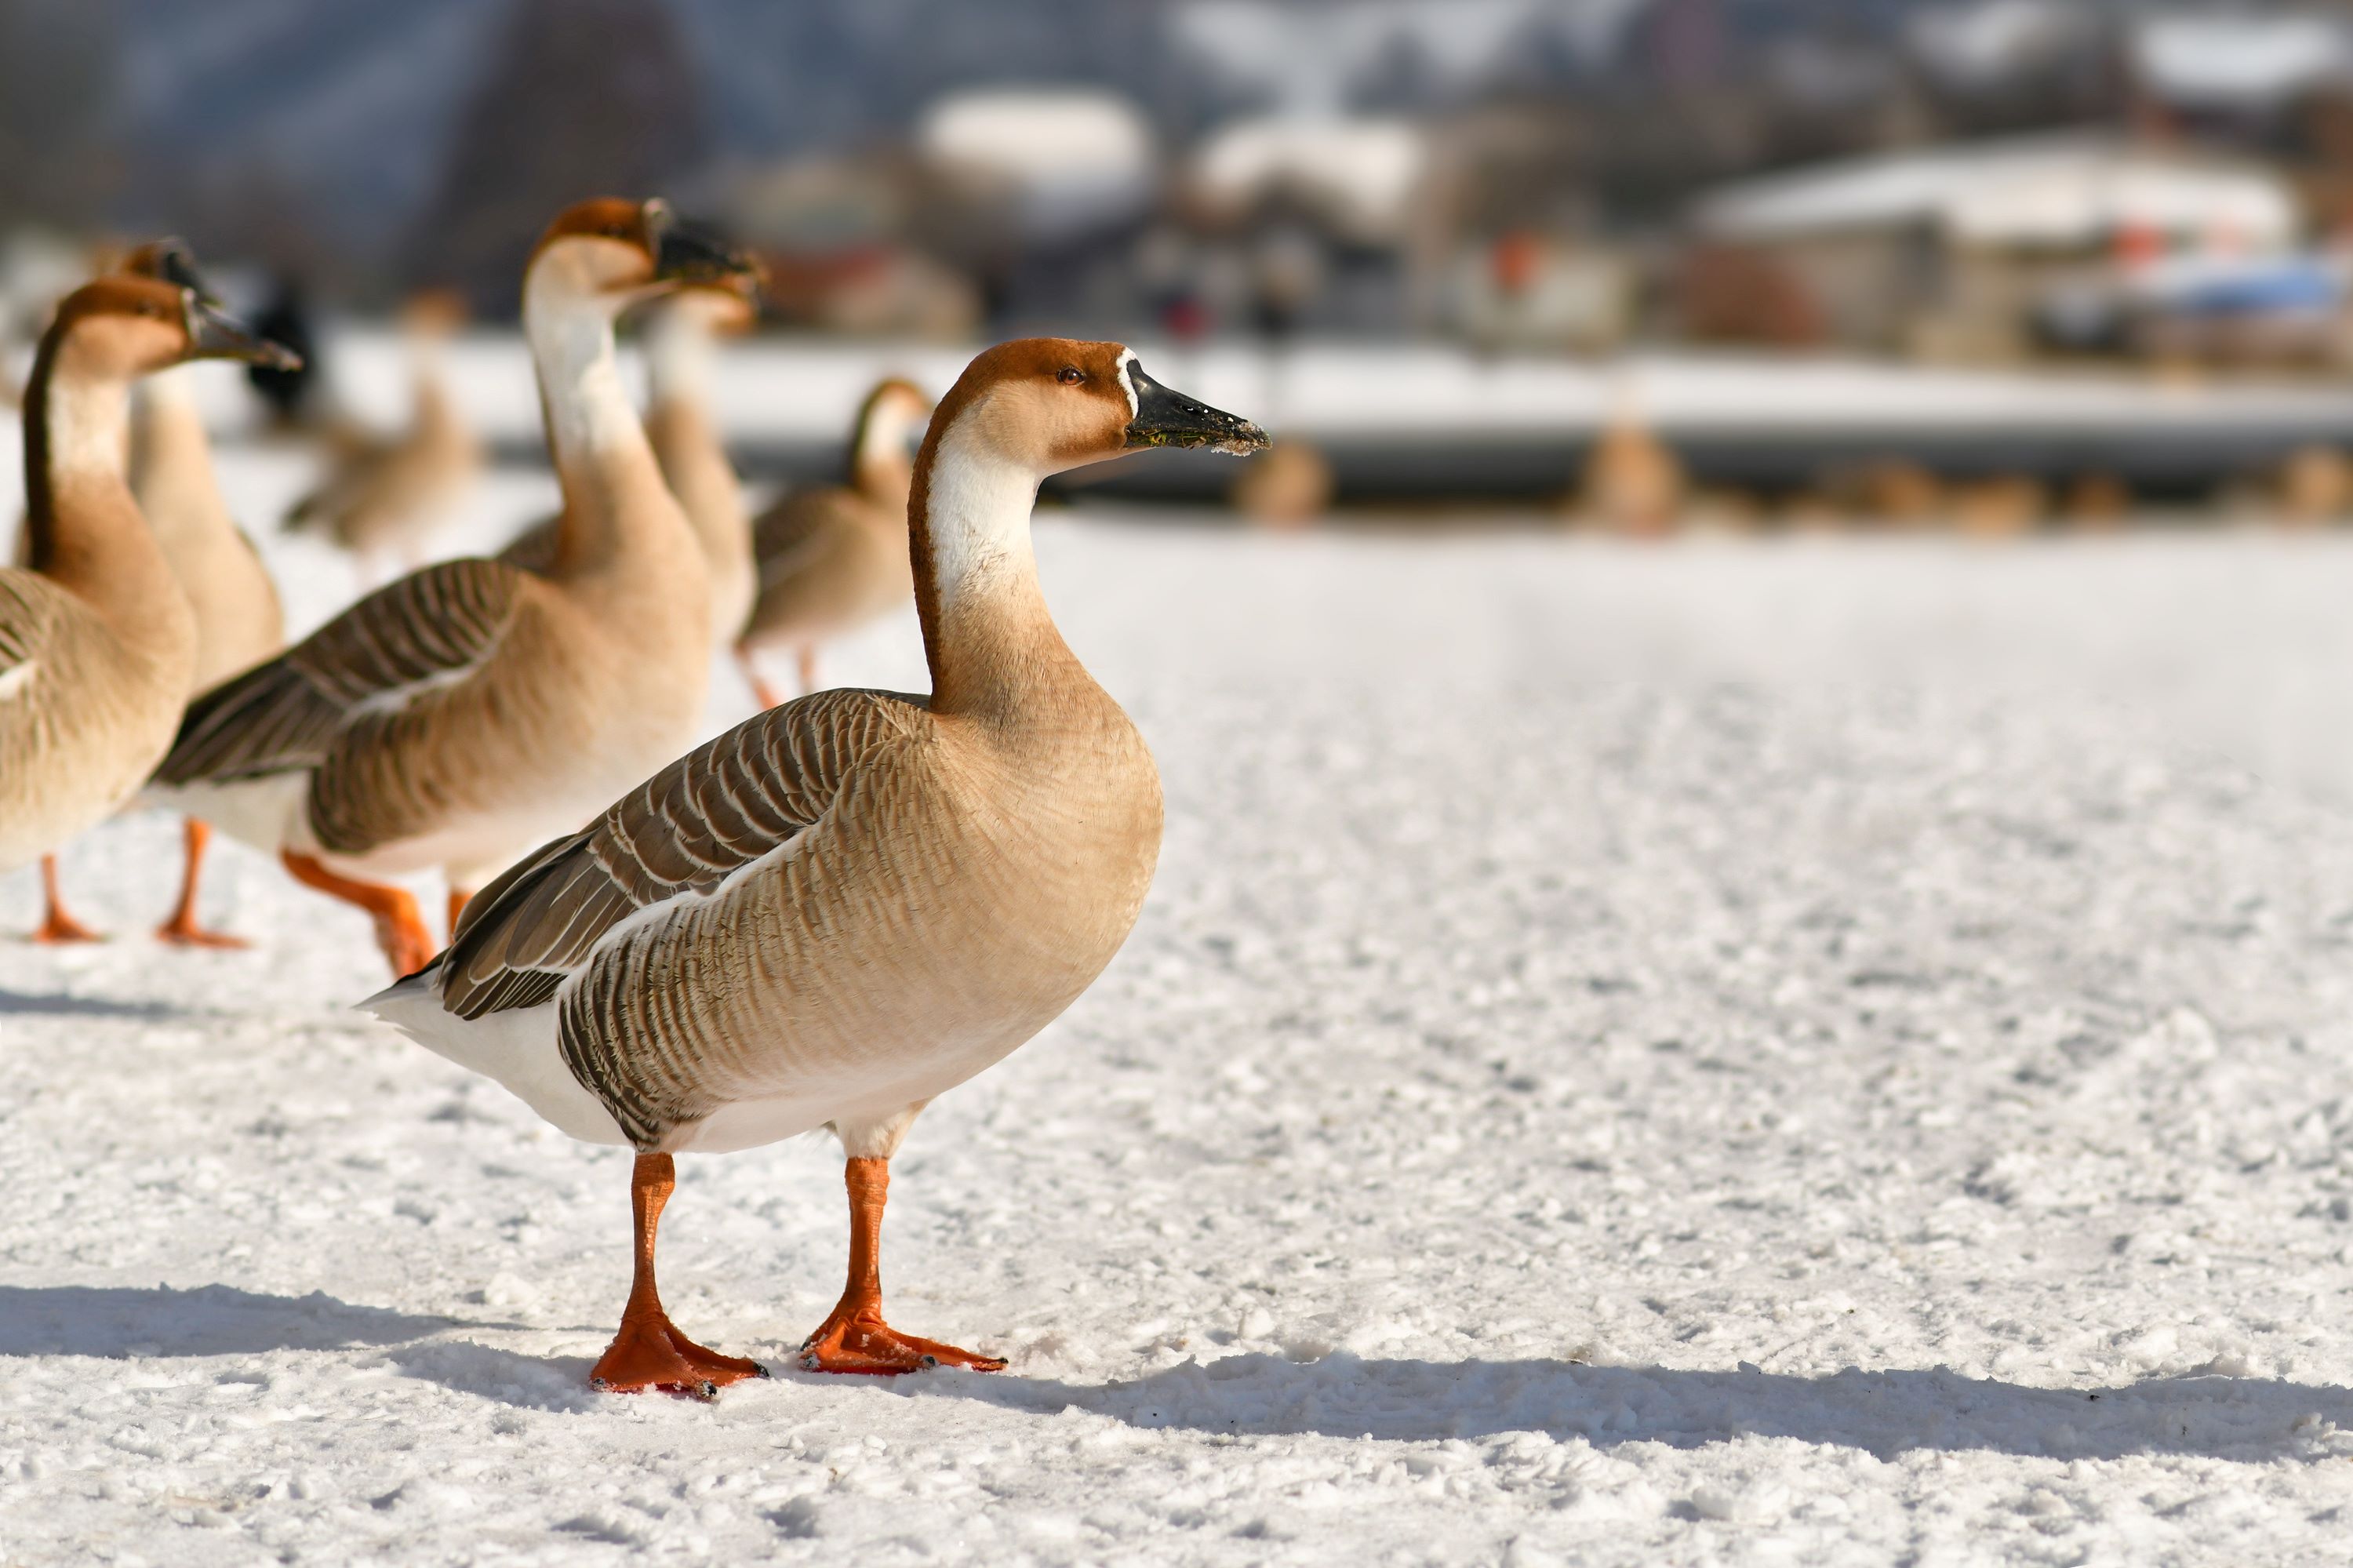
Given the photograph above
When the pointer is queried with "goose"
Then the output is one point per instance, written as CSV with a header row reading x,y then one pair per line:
x,y
388,496
463,713
239,622
686,443
848,905
832,558
97,641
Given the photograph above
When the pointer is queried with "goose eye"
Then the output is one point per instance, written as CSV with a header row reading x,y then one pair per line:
x,y
1070,375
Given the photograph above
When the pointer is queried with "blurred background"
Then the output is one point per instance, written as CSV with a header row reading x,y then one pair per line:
x,y
1996,265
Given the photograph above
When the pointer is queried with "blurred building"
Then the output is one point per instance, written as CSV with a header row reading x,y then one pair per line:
x,y
1966,251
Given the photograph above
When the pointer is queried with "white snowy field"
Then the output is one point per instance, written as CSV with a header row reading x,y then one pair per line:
x,y
1744,1052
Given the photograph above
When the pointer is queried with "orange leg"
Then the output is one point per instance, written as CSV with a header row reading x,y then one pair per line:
x,y
648,1351
806,660
182,927
458,899
399,929
855,1339
57,925
763,693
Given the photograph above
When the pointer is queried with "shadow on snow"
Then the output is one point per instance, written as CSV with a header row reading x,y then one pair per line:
x,y
209,1320
1882,1413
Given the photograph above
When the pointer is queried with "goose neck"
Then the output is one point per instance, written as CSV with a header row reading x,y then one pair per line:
x,y
83,526
991,642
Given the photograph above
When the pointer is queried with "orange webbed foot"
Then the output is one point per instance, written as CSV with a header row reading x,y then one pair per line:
x,y
653,1354
862,1342
61,927
181,931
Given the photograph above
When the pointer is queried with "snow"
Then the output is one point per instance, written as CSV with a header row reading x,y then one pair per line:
x,y
785,390
1798,1050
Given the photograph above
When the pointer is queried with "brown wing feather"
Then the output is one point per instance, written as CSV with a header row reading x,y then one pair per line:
x,y
534,549
786,533
287,713
684,831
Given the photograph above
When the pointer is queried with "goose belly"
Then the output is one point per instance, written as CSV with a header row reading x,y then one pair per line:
x,y
70,758
867,970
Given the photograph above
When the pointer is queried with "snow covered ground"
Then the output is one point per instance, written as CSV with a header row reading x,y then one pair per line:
x,y
1744,1052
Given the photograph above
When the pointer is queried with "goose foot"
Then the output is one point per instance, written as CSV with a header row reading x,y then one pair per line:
x,y
61,927
648,1351
181,929
399,929
651,1352
854,1338
858,1340
57,925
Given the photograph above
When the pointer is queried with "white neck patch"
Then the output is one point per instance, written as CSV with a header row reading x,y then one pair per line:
x,y
1127,382
978,513
90,426
572,346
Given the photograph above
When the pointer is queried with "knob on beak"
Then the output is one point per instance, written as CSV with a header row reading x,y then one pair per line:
x,y
695,257
215,335
1166,417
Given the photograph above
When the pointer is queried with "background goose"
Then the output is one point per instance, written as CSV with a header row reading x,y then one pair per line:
x,y
850,904
97,641
680,341
239,621
463,713
830,559
385,497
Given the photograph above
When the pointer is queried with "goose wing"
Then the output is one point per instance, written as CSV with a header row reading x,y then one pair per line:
x,y
27,606
428,630
682,833
791,533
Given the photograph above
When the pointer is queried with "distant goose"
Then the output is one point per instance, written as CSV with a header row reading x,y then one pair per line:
x,y
239,622
466,712
685,438
386,496
850,904
830,559
97,641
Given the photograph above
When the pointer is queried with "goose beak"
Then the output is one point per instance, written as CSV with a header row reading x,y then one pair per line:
x,y
213,334
1165,417
696,259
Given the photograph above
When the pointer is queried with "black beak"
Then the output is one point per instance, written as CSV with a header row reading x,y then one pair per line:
x,y
696,258
1168,418
213,334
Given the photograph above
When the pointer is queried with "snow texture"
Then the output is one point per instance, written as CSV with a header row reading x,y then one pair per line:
x,y
1793,1051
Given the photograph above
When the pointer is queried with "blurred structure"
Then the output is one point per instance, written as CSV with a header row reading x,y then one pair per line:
x,y
1973,251
579,99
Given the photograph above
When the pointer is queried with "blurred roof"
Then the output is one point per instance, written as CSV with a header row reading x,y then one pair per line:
x,y
2234,59
1359,174
1068,158
2035,191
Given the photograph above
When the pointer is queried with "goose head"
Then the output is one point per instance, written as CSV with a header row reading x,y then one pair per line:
x,y
620,253
129,324
1044,405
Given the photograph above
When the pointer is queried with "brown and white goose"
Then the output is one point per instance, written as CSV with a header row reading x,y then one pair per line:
x,y
850,904
239,621
466,712
96,639
680,342
831,559
385,497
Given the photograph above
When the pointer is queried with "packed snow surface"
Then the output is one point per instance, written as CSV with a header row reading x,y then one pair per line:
x,y
1780,1052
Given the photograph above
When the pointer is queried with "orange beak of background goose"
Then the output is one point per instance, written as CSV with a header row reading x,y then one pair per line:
x,y
1167,417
